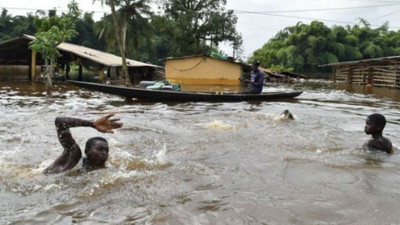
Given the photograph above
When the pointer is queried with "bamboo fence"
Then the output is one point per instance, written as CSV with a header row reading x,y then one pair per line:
x,y
382,74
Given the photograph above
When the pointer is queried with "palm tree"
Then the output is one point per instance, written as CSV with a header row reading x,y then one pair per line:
x,y
134,22
6,25
127,19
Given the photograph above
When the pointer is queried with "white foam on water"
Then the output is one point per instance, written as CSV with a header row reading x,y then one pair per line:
x,y
265,116
76,105
51,187
220,125
114,143
126,162
108,179
41,167
161,155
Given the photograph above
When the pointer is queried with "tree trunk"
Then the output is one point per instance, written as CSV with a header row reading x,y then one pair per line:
x,y
118,34
49,71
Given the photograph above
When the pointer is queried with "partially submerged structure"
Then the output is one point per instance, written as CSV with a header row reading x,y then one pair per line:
x,y
17,52
282,77
379,72
204,70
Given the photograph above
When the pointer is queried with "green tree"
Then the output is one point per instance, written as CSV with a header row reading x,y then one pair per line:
x,y
201,25
303,47
6,25
129,15
163,41
133,16
119,33
86,33
53,31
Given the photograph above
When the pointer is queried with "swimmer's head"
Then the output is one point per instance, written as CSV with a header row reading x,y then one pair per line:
x,y
375,123
287,114
96,151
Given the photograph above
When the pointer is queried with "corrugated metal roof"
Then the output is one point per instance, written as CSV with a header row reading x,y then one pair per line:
x,y
97,56
360,61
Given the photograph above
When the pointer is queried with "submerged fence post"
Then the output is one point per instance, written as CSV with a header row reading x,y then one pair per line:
x,y
32,66
80,72
334,74
101,74
370,79
397,85
67,69
350,76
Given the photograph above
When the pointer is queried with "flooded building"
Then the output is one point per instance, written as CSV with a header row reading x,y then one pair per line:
x,y
379,72
19,61
204,70
281,77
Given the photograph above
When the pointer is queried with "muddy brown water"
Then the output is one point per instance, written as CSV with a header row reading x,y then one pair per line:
x,y
203,163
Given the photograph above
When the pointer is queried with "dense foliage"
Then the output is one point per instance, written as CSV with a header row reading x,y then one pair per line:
x,y
182,28
197,26
200,24
52,31
11,27
303,47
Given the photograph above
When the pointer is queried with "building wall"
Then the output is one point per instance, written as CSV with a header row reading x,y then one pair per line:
x,y
203,71
384,74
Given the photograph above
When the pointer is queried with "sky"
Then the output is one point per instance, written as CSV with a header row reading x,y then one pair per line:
x,y
258,20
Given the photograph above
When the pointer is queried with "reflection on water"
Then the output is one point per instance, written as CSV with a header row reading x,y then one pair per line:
x,y
385,93
202,163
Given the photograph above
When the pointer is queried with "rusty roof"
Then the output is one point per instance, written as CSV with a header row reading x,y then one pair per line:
x,y
103,58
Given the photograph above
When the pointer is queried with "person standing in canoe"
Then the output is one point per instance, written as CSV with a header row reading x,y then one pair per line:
x,y
255,84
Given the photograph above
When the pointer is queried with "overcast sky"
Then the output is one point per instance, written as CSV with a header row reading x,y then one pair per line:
x,y
260,20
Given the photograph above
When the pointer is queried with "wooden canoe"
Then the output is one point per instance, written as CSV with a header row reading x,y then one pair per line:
x,y
183,96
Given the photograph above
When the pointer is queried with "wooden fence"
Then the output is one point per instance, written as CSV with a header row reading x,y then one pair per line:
x,y
382,74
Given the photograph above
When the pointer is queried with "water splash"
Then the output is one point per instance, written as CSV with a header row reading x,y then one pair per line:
x,y
220,125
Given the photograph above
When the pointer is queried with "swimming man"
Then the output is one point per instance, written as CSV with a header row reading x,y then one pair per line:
x,y
96,149
374,126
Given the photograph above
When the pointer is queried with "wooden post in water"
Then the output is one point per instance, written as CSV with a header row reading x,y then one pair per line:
x,y
334,74
101,74
67,69
32,66
79,62
396,72
350,76
80,72
370,79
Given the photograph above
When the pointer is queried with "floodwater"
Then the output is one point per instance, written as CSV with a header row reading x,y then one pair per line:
x,y
203,163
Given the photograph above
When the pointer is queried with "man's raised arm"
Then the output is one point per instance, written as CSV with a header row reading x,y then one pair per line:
x,y
72,152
